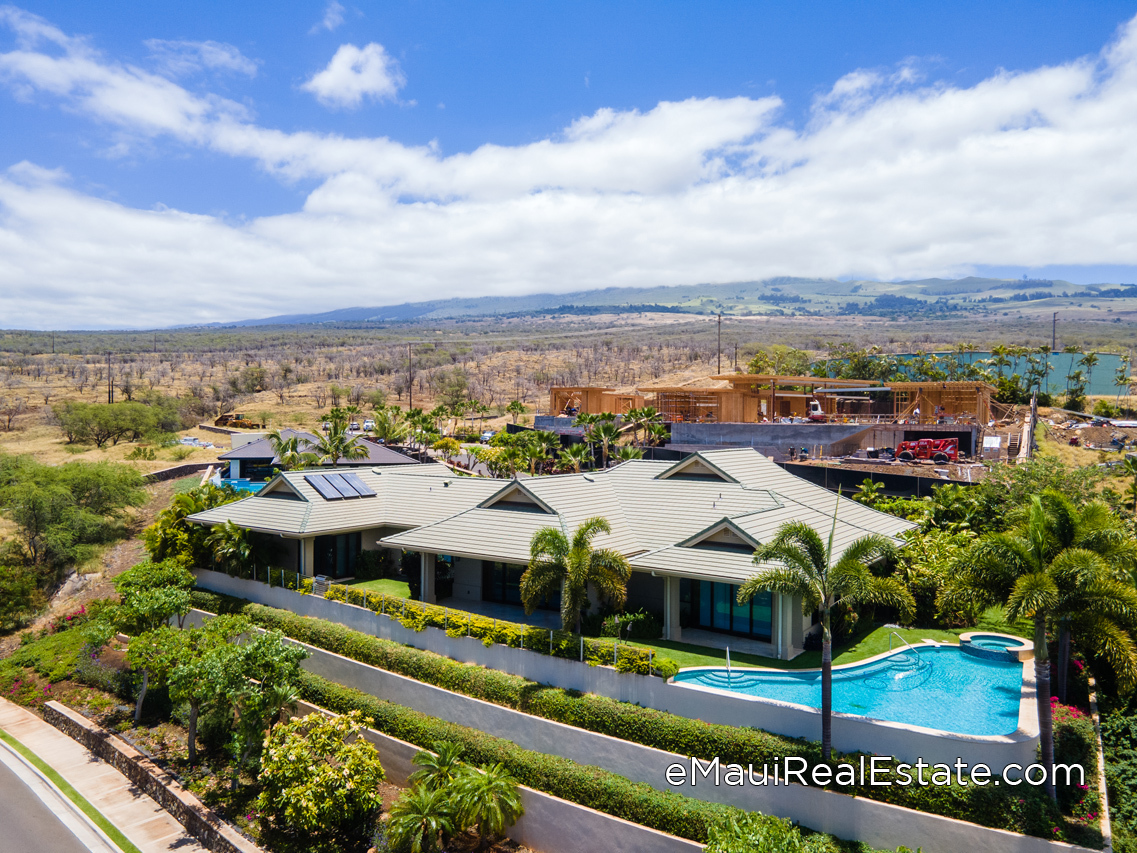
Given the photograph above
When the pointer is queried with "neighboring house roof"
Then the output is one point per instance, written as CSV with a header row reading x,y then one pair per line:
x,y
261,449
700,517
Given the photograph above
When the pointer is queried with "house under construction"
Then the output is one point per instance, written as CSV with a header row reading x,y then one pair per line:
x,y
761,398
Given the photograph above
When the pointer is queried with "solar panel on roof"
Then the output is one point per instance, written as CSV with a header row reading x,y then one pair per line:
x,y
337,482
354,480
321,485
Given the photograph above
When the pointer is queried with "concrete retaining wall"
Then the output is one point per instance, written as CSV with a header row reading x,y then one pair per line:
x,y
850,733
875,823
550,824
187,809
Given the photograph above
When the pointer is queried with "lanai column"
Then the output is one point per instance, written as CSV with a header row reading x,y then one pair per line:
x,y
428,561
308,556
671,629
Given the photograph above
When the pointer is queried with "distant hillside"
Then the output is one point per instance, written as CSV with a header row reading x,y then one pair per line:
x,y
778,296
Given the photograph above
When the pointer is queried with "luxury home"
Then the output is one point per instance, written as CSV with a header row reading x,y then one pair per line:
x,y
688,529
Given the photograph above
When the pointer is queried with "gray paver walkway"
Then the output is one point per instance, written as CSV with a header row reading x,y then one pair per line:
x,y
148,826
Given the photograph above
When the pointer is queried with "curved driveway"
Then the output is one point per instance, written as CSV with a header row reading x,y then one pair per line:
x,y
27,825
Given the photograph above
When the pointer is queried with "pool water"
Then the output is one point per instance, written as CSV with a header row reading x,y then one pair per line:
x,y
991,642
938,688
244,485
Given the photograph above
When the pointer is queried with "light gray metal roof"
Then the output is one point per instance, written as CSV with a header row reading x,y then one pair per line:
x,y
406,496
650,515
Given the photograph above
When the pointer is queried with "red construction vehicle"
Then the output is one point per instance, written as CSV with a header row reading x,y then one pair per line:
x,y
936,449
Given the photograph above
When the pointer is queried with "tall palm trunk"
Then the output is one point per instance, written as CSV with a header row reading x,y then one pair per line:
x,y
1042,692
1063,657
826,687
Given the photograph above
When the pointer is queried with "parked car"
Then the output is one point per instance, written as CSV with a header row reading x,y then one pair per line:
x,y
353,426
369,425
487,435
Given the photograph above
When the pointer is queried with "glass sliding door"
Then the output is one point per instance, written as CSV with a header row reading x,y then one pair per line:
x,y
714,607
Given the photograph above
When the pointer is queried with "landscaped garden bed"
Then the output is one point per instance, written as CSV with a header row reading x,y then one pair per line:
x,y
1026,811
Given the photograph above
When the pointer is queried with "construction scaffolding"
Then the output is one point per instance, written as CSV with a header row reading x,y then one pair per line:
x,y
759,398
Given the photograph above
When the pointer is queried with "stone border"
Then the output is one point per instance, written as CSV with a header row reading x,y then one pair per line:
x,y
176,472
187,809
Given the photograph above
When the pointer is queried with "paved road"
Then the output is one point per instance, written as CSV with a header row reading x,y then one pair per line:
x,y
27,825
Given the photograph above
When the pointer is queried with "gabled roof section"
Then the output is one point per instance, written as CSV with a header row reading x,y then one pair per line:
x,y
516,496
697,466
279,487
725,534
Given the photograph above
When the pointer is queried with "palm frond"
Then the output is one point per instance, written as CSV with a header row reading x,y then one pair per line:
x,y
1032,594
784,580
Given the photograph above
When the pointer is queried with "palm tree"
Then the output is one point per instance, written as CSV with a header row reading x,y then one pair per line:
x,y
235,548
1098,603
289,452
515,408
390,426
607,434
628,453
575,456
337,445
657,434
558,565
809,568
437,770
420,817
1043,567
489,800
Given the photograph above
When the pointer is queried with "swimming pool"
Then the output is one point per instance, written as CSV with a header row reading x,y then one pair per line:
x,y
244,485
934,687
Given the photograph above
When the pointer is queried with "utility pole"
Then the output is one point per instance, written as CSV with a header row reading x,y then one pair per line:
x,y
410,381
720,343
110,380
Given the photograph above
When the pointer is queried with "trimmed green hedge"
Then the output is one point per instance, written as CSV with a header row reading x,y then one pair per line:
x,y
1025,810
460,623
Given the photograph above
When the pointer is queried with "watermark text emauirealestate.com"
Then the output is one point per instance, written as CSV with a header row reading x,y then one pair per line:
x,y
873,770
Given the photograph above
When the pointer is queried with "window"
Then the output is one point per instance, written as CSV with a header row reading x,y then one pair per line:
x,y
335,555
714,606
502,582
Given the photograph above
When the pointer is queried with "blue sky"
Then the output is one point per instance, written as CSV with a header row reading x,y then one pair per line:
x,y
186,162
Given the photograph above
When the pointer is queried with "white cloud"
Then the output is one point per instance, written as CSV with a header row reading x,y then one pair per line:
x,y
355,74
890,177
181,58
333,17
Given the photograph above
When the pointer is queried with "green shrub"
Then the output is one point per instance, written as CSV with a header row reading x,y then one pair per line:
x,y
1029,811
319,784
588,786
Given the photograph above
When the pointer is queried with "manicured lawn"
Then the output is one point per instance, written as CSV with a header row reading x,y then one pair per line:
x,y
387,586
861,647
